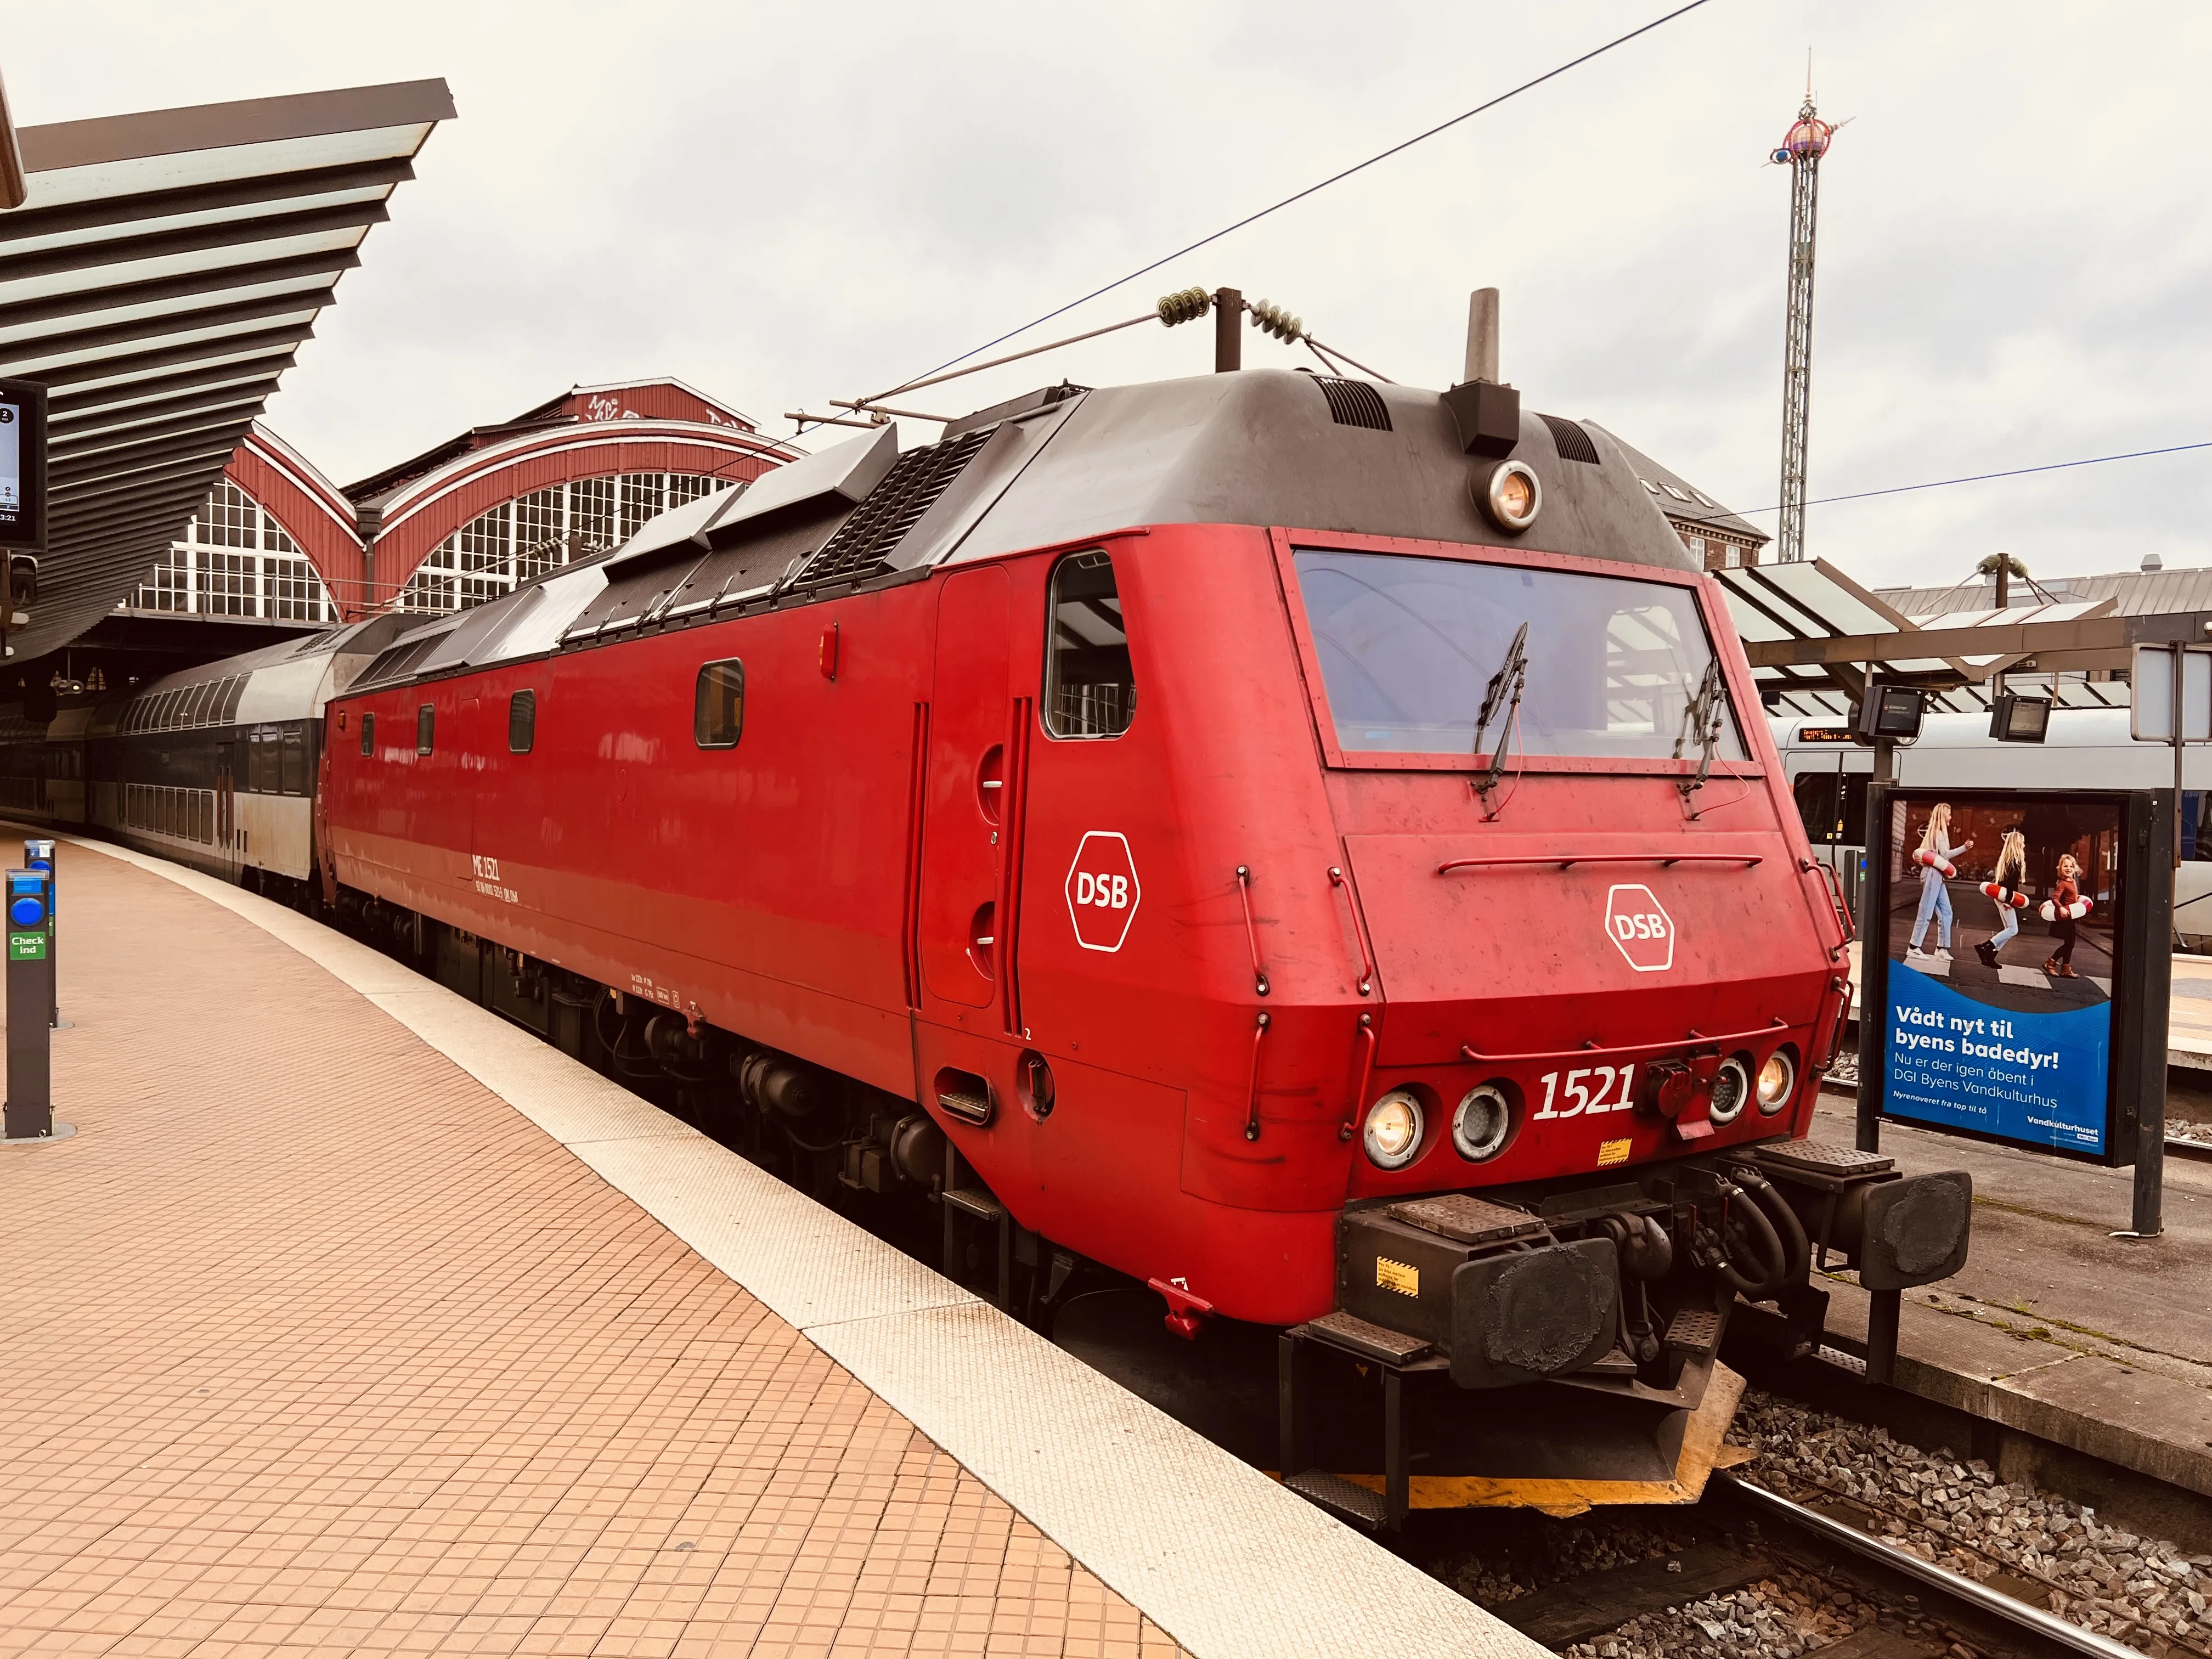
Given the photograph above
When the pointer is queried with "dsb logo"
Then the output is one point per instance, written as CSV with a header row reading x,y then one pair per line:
x,y
1102,891
1112,891
1639,928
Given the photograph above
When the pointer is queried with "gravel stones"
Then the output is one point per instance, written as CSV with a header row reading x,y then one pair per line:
x,y
2141,1591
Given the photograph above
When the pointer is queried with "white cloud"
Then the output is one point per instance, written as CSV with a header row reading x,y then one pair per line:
x,y
788,204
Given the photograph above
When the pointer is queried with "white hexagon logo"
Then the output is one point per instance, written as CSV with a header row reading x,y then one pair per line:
x,y
1102,891
1640,927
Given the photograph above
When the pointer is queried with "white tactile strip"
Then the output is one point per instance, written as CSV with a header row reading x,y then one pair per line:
x,y
1222,1558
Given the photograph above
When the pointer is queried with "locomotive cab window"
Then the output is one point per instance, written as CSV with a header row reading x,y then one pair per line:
x,y
1587,665
368,734
718,705
1089,689
521,722
426,729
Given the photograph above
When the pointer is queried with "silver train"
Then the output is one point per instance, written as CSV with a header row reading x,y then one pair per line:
x,y
214,767
2087,748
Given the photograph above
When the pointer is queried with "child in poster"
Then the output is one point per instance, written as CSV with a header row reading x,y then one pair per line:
x,y
2064,928
1936,858
2007,879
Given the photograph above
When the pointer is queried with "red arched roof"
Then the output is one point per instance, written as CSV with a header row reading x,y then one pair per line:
x,y
418,518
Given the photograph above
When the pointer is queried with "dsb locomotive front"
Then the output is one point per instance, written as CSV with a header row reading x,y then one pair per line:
x,y
1298,852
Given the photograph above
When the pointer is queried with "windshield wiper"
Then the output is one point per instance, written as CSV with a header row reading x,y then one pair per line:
x,y
1503,692
1701,719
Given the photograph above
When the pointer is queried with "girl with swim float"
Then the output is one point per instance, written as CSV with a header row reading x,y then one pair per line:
x,y
2011,871
2063,928
1936,852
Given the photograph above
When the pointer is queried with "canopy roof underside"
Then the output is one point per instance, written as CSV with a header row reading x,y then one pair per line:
x,y
160,274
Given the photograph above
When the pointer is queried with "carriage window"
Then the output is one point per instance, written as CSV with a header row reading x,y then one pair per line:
x,y
426,728
261,764
295,779
1090,691
1833,809
718,707
368,734
521,722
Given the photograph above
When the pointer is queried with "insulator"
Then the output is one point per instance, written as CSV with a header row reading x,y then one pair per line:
x,y
1275,319
1185,305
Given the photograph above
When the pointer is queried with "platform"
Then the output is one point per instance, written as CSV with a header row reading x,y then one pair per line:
x,y
2097,1345
354,1320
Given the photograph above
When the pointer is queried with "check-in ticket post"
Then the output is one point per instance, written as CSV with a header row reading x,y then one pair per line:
x,y
2015,987
29,1113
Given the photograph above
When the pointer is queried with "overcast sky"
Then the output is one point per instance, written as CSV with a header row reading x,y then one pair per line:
x,y
785,204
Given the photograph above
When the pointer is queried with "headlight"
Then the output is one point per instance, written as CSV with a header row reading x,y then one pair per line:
x,y
1731,1088
1777,1081
1394,1130
1512,497
1481,1123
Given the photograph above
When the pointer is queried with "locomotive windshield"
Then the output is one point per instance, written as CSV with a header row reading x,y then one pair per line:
x,y
1409,647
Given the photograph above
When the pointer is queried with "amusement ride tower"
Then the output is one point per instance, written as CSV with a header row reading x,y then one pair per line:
x,y
1800,151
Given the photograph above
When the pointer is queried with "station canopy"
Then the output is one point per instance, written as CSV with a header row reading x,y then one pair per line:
x,y
157,279
1811,634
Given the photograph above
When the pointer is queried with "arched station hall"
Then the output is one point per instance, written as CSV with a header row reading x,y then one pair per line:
x,y
276,547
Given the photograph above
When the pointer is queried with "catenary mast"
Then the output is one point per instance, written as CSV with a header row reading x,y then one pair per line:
x,y
1801,151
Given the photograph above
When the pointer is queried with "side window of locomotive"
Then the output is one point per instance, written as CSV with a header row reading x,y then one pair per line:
x,y
1090,691
426,729
718,705
293,778
368,734
521,722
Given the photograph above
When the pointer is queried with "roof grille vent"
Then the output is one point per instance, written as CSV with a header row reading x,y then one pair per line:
x,y
1570,441
1354,402
864,542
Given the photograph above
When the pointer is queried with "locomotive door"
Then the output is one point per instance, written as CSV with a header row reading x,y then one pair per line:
x,y
962,835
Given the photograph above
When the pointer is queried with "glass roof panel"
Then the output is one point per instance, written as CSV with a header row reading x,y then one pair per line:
x,y
88,235
186,168
91,279
1819,594
181,305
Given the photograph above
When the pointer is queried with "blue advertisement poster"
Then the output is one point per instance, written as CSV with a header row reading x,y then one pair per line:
x,y
1998,991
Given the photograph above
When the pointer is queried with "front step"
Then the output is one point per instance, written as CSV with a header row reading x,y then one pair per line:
x,y
1346,1500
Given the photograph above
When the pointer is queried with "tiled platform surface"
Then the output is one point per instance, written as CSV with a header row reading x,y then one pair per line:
x,y
308,1342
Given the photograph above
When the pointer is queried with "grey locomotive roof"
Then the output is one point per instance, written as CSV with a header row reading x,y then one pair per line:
x,y
1260,447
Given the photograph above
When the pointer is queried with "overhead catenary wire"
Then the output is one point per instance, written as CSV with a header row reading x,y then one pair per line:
x,y
1984,478
1310,190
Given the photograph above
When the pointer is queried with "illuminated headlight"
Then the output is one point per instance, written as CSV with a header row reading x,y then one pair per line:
x,y
1777,1081
1731,1090
1513,497
1394,1130
1481,1123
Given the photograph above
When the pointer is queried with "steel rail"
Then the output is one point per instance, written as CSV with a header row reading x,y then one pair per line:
x,y
2045,1630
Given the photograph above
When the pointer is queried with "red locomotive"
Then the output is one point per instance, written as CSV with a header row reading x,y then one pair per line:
x,y
1306,847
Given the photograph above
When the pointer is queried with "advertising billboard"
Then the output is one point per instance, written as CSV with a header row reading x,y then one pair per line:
x,y
22,464
2020,977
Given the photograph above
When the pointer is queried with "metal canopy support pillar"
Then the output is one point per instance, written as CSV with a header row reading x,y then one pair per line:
x,y
1873,935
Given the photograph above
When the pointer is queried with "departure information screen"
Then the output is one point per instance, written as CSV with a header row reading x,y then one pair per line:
x,y
22,463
